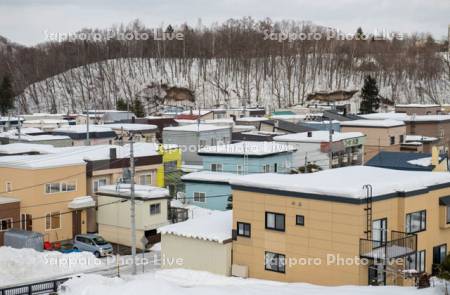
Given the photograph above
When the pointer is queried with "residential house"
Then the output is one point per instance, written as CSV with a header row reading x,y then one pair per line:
x,y
381,135
9,215
46,186
284,127
418,109
315,227
140,132
78,133
202,243
251,121
411,161
113,213
34,136
159,121
192,137
104,116
313,148
210,188
419,143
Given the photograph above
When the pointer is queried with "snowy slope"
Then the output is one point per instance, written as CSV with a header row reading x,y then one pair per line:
x,y
213,82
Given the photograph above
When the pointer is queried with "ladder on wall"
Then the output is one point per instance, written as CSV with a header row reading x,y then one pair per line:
x,y
368,209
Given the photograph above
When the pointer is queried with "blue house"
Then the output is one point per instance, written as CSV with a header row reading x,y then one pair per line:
x,y
210,188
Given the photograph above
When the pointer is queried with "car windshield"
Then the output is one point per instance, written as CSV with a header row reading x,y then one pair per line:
x,y
99,241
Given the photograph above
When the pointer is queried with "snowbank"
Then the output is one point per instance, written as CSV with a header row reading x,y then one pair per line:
x,y
178,282
26,265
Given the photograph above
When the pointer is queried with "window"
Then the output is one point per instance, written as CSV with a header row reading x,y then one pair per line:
x,y
275,262
170,166
243,229
300,220
439,254
402,138
392,138
275,221
448,214
8,186
56,187
145,179
379,231
53,220
213,141
6,224
216,167
26,222
51,188
202,143
416,261
155,209
275,167
99,183
239,169
199,197
416,221
266,168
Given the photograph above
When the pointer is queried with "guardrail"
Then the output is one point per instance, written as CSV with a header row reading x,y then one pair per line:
x,y
400,245
43,287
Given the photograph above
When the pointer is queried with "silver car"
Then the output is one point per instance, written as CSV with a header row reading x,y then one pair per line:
x,y
92,243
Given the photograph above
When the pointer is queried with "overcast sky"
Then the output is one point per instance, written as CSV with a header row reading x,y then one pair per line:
x,y
25,21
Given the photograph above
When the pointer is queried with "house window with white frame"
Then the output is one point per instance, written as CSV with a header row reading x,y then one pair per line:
x,y
155,209
53,220
199,197
216,167
145,179
99,183
266,168
8,186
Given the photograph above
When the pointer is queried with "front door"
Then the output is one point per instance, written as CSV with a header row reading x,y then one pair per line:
x,y
377,275
439,254
76,222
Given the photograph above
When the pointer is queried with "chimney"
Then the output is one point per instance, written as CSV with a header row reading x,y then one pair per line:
x,y
113,153
309,133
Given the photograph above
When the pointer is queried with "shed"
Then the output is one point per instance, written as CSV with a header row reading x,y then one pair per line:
x,y
18,238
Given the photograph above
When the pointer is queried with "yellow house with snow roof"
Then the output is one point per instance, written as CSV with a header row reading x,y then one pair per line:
x,y
356,225
169,171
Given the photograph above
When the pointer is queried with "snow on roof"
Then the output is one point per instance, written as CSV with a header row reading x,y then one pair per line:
x,y
191,168
209,176
82,202
215,227
196,112
62,156
416,105
346,182
7,200
250,148
406,117
419,138
196,128
83,128
251,119
42,137
425,162
373,123
20,148
131,127
140,191
317,136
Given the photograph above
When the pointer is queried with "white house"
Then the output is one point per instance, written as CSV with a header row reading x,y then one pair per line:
x,y
203,243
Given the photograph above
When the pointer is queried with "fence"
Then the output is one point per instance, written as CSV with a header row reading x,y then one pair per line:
x,y
44,287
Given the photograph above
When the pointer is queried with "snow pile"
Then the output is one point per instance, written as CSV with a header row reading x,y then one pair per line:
x,y
179,282
215,227
345,182
26,265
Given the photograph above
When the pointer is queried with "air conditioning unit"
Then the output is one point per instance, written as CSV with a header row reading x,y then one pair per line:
x,y
240,271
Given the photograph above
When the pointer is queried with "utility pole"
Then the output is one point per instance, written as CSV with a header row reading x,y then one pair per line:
x,y
19,123
132,207
330,152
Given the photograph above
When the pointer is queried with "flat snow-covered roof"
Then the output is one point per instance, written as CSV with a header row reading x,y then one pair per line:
x,y
131,126
373,123
249,148
416,105
406,117
215,227
83,128
209,176
317,136
140,191
345,182
196,128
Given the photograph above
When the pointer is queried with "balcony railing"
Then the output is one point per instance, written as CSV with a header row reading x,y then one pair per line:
x,y
400,245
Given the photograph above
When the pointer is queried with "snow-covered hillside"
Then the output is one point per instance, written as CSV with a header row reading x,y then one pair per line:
x,y
219,82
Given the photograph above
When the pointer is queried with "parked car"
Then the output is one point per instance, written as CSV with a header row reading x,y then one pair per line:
x,y
92,243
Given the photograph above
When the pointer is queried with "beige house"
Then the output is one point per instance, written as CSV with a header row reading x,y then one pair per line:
x,y
48,188
202,243
316,227
113,213
418,109
381,135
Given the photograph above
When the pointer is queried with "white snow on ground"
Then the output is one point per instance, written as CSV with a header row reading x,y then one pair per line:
x,y
179,281
26,265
